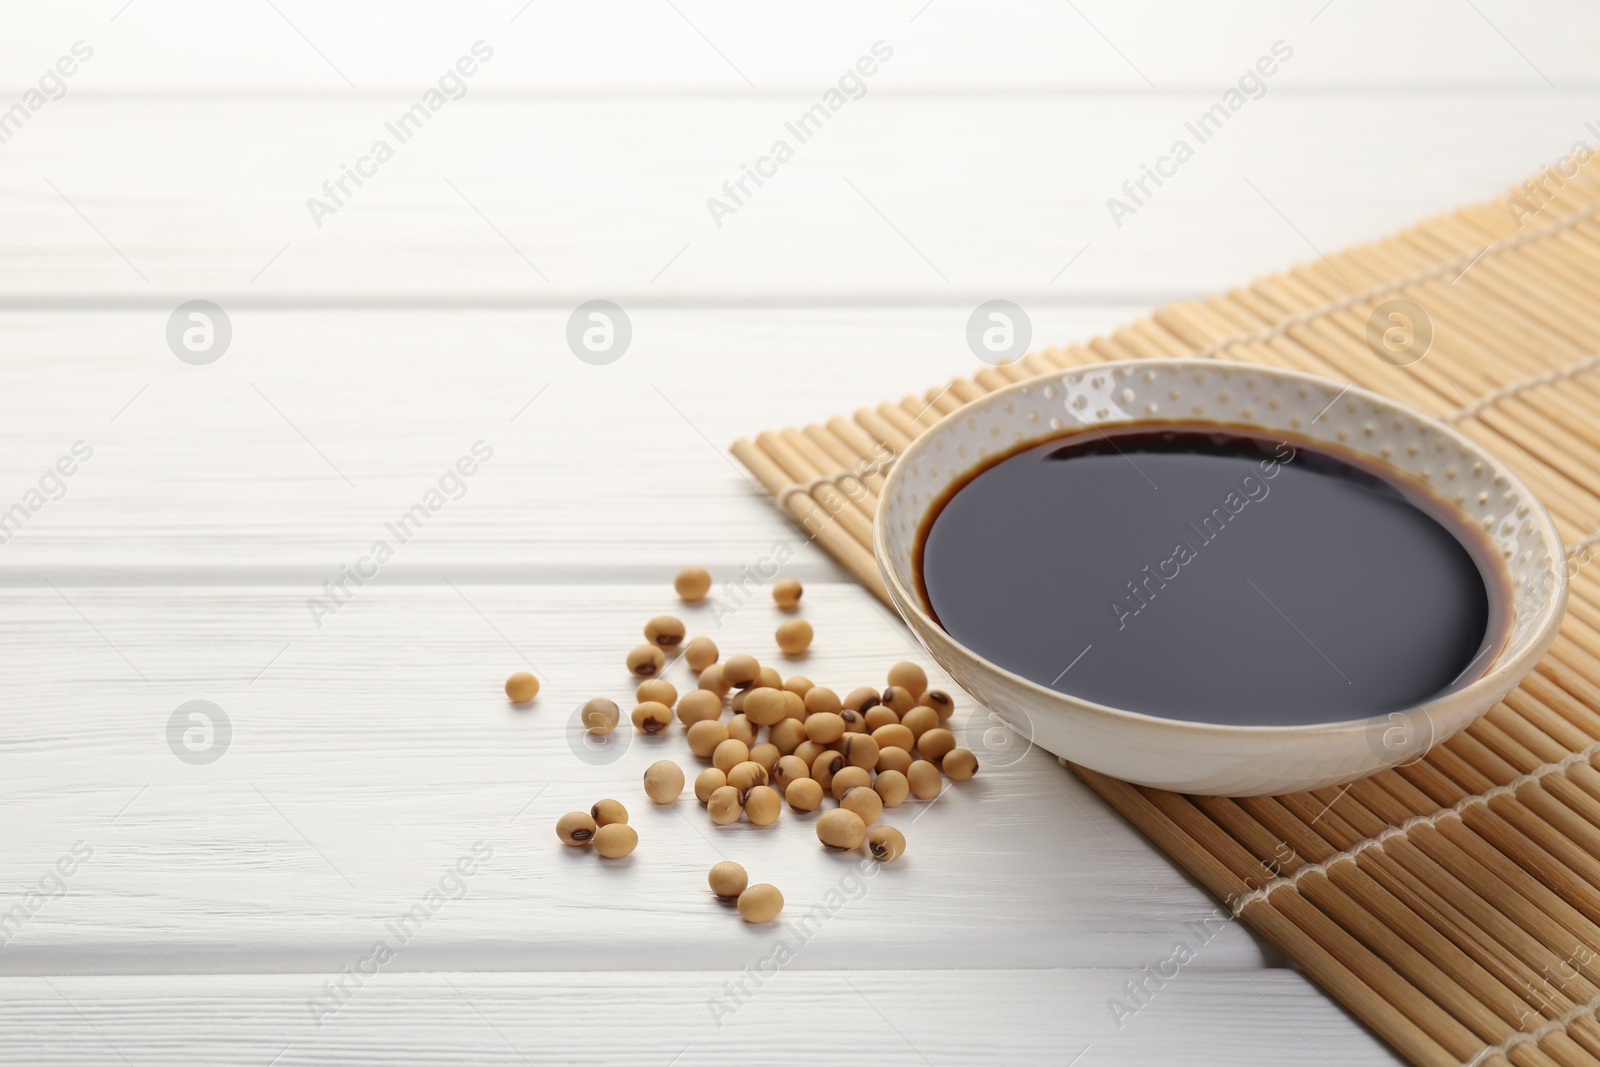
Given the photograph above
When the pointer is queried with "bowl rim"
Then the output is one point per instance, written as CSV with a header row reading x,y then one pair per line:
x,y
1494,681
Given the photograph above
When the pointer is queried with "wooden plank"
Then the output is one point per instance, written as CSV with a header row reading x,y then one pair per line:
x,y
150,202
913,1018
368,755
722,47
205,467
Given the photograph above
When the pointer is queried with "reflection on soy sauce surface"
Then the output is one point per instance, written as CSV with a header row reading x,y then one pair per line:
x,y
1214,574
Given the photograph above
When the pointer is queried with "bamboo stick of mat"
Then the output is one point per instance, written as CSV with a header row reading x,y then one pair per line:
x,y
1452,904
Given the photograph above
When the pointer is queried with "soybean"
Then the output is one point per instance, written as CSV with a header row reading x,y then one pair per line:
x,y
576,828
606,812
729,754
861,698
840,830
864,801
700,653
727,879
909,676
692,583
664,631
724,806
919,720
652,717
794,637
886,843
711,679
854,721
803,794
760,903
658,689
847,778
820,699
825,766
860,750
809,750
698,705
765,754
882,715
522,687
935,743
892,788
787,769
769,678
615,840
663,781
799,685
746,776
763,805
925,780
898,698
740,672
704,737
765,707
707,782
940,702
825,727
741,728
895,735
787,736
960,764
794,706
787,593
646,661
893,759
600,716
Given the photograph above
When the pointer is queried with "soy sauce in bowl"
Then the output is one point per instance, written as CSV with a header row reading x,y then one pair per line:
x,y
1214,574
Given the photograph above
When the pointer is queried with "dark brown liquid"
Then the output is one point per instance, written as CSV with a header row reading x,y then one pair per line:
x,y
1210,575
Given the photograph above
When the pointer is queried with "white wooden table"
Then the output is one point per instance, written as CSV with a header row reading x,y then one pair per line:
x,y
370,753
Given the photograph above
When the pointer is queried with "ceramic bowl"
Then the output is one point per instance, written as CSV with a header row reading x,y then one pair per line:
x,y
1201,757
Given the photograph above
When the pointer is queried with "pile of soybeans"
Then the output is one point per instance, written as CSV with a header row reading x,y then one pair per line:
x,y
768,741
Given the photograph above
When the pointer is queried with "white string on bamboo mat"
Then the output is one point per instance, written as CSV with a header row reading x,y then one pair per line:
x,y
1489,400
1438,270
1559,1023
877,466
1403,828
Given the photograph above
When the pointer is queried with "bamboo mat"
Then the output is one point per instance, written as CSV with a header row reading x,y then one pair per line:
x,y
1452,904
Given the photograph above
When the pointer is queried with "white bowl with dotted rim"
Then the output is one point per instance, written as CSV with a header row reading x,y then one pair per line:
x,y
1207,758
